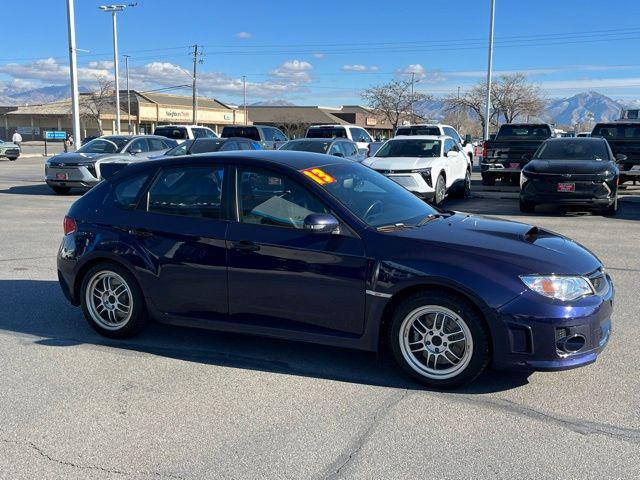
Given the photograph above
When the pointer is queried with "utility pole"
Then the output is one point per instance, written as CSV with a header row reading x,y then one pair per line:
x,y
196,59
244,94
458,112
126,68
413,76
73,63
114,9
489,69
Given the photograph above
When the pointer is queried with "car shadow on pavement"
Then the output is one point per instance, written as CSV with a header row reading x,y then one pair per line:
x,y
38,189
38,309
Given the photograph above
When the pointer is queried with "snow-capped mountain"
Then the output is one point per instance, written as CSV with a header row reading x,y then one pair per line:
x,y
579,107
47,94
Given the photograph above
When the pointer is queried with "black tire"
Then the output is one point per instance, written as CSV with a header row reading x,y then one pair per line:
x,y
478,358
611,210
488,180
527,206
12,159
139,315
60,190
463,189
440,190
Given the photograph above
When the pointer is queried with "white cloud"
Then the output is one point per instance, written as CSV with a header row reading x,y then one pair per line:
x,y
318,55
297,71
101,64
244,35
50,70
359,68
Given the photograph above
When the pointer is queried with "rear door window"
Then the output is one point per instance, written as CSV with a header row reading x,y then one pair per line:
x,y
128,190
359,135
191,191
155,144
140,144
268,134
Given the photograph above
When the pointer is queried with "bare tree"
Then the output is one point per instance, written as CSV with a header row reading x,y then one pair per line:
x,y
93,105
515,97
393,100
512,96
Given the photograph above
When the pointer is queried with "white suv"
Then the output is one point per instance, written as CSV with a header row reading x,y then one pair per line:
x,y
431,166
180,133
352,132
437,129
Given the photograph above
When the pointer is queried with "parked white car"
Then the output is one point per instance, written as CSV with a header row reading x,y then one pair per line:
x,y
438,129
352,132
428,165
180,133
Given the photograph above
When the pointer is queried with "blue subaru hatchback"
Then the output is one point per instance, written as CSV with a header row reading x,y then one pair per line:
x,y
316,248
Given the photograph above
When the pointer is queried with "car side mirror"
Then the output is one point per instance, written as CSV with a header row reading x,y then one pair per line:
x,y
338,154
135,151
321,223
620,157
526,157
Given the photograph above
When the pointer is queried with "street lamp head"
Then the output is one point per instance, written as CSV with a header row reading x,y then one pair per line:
x,y
113,8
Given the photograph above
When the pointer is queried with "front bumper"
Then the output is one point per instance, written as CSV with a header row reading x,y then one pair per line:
x,y
529,333
71,176
594,193
412,181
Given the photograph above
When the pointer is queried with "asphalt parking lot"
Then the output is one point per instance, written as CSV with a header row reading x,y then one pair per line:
x,y
183,404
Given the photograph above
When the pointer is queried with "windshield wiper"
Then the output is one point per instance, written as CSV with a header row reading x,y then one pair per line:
x,y
428,218
391,227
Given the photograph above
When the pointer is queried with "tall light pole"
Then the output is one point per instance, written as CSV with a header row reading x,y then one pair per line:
x,y
126,69
489,69
113,10
73,64
196,59
244,95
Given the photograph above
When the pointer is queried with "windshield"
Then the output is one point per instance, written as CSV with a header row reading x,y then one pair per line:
x,y
302,146
524,131
104,145
244,132
181,149
418,130
327,132
617,132
370,196
410,148
572,150
175,133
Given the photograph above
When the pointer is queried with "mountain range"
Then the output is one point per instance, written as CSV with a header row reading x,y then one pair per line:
x,y
561,111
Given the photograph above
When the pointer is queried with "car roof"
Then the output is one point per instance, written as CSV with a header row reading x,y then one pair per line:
x,y
334,126
420,137
133,137
424,125
321,140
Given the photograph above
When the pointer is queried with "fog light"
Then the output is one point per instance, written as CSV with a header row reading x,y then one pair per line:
x,y
572,344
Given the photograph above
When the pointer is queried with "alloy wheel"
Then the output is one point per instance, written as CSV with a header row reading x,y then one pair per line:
x,y
436,342
109,300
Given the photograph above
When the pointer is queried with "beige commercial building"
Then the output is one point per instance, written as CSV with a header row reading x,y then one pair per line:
x,y
148,110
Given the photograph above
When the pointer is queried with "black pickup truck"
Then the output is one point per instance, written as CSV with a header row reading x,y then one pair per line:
x,y
510,150
624,140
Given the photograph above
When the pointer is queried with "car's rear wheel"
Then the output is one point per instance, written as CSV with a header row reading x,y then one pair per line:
x,y
440,190
463,189
13,159
527,206
488,180
112,301
439,339
60,190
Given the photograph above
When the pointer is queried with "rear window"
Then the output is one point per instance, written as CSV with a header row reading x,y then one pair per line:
x,y
327,132
418,130
176,133
301,146
244,132
617,131
524,131
206,145
128,190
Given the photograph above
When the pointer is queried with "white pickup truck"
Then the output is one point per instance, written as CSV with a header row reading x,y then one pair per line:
x,y
438,129
430,166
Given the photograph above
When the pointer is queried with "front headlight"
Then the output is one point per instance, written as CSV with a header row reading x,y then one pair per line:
x,y
563,288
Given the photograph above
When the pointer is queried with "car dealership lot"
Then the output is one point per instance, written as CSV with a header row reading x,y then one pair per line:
x,y
180,403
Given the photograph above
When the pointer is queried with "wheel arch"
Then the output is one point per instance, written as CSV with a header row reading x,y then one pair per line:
x,y
92,262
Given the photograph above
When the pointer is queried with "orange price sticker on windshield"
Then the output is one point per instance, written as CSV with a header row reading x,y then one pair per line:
x,y
318,176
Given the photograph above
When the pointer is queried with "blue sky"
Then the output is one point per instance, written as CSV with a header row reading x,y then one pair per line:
x,y
327,52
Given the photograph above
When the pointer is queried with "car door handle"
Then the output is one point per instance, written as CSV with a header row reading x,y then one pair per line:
x,y
140,232
246,246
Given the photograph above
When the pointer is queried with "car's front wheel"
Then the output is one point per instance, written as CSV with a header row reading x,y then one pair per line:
x,y
112,301
440,190
13,159
439,339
